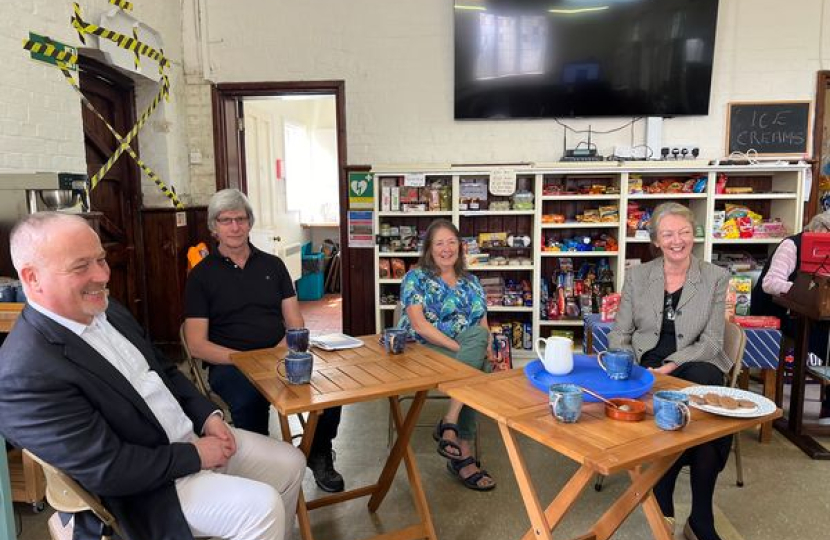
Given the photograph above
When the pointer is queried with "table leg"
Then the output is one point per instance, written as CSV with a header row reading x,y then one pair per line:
x,y
792,426
654,515
638,493
305,445
540,527
398,450
414,475
769,381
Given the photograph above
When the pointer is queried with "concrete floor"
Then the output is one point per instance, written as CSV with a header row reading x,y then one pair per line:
x,y
785,496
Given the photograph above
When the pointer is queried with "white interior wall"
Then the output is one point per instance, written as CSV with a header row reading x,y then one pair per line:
x,y
40,114
397,61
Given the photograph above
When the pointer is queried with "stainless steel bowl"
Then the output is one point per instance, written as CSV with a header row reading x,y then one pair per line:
x,y
59,199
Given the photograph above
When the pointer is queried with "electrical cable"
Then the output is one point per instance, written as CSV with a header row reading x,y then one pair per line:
x,y
592,132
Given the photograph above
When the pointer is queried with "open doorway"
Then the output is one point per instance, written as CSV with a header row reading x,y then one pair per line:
x,y
285,154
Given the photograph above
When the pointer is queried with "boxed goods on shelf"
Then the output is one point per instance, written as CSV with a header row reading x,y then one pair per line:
x,y
636,185
569,294
596,242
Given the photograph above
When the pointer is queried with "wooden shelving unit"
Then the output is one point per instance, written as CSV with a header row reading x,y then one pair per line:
x,y
777,192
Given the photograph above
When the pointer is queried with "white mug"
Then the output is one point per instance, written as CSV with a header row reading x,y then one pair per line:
x,y
558,358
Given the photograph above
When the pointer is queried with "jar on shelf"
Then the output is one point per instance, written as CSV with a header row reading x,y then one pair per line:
x,y
523,200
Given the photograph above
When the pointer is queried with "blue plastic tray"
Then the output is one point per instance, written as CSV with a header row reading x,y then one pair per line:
x,y
587,373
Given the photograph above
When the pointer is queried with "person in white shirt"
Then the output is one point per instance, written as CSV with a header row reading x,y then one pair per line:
x,y
82,387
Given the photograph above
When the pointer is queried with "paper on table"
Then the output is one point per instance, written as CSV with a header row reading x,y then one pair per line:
x,y
334,342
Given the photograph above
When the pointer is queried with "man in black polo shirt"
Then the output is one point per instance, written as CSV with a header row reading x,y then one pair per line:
x,y
239,299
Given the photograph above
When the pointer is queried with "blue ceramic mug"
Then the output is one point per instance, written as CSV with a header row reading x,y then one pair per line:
x,y
565,402
394,340
297,367
297,339
671,410
617,363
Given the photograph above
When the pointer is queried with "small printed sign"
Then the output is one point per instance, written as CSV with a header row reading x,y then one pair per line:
x,y
181,219
503,182
361,190
415,180
361,229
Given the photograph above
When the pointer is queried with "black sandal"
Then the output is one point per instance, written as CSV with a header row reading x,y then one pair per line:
x,y
443,444
454,467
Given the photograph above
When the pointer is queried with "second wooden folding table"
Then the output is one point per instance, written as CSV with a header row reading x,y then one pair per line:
x,y
600,446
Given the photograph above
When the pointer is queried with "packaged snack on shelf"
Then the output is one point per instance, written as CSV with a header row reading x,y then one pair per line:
x,y
609,214
737,190
394,199
527,336
730,229
434,203
491,240
609,307
384,268
740,288
385,198
409,195
502,360
635,184
745,228
700,185
398,268
563,333
757,321
718,219
720,184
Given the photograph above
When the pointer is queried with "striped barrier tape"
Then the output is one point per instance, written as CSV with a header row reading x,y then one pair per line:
x,y
124,142
125,42
123,4
67,57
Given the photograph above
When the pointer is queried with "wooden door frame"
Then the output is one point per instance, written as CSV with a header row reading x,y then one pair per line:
x,y
223,91
134,194
822,87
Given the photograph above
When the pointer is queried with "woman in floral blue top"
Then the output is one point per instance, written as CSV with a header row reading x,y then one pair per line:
x,y
445,308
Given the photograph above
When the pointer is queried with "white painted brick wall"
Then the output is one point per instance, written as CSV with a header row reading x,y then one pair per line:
x,y
397,60
40,114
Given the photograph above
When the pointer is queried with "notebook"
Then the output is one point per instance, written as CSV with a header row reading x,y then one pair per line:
x,y
335,342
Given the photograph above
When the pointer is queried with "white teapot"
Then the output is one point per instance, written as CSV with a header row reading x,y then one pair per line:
x,y
558,358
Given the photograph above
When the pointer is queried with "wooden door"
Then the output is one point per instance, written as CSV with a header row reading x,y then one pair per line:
x,y
118,195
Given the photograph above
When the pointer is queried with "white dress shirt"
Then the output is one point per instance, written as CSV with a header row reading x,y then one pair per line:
x,y
128,360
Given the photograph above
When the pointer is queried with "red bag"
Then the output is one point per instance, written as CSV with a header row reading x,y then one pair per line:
x,y
815,253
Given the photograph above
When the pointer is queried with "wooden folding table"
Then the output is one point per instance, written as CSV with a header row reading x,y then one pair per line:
x,y
600,446
353,376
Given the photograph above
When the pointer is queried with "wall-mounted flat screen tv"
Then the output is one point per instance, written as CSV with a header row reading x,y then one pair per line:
x,y
568,58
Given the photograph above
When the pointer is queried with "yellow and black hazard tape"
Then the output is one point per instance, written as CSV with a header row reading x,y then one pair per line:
x,y
47,49
123,4
124,142
125,42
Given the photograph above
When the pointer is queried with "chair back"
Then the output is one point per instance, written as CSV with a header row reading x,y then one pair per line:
x,y
194,365
734,343
396,315
65,495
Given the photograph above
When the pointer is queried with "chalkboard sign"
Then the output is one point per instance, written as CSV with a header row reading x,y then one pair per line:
x,y
772,128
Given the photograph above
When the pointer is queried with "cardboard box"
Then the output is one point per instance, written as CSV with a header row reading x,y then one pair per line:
x,y
395,199
385,198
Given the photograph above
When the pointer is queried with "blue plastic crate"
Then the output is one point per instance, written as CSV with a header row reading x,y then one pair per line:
x,y
310,287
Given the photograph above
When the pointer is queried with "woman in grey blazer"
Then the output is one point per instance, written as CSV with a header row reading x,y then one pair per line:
x,y
672,318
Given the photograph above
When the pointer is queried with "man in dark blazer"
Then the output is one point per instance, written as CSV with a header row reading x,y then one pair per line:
x,y
82,387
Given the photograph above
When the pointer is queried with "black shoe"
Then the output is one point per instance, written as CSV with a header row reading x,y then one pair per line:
x,y
322,465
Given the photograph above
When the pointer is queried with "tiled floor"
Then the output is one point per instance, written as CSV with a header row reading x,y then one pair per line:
x,y
323,316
